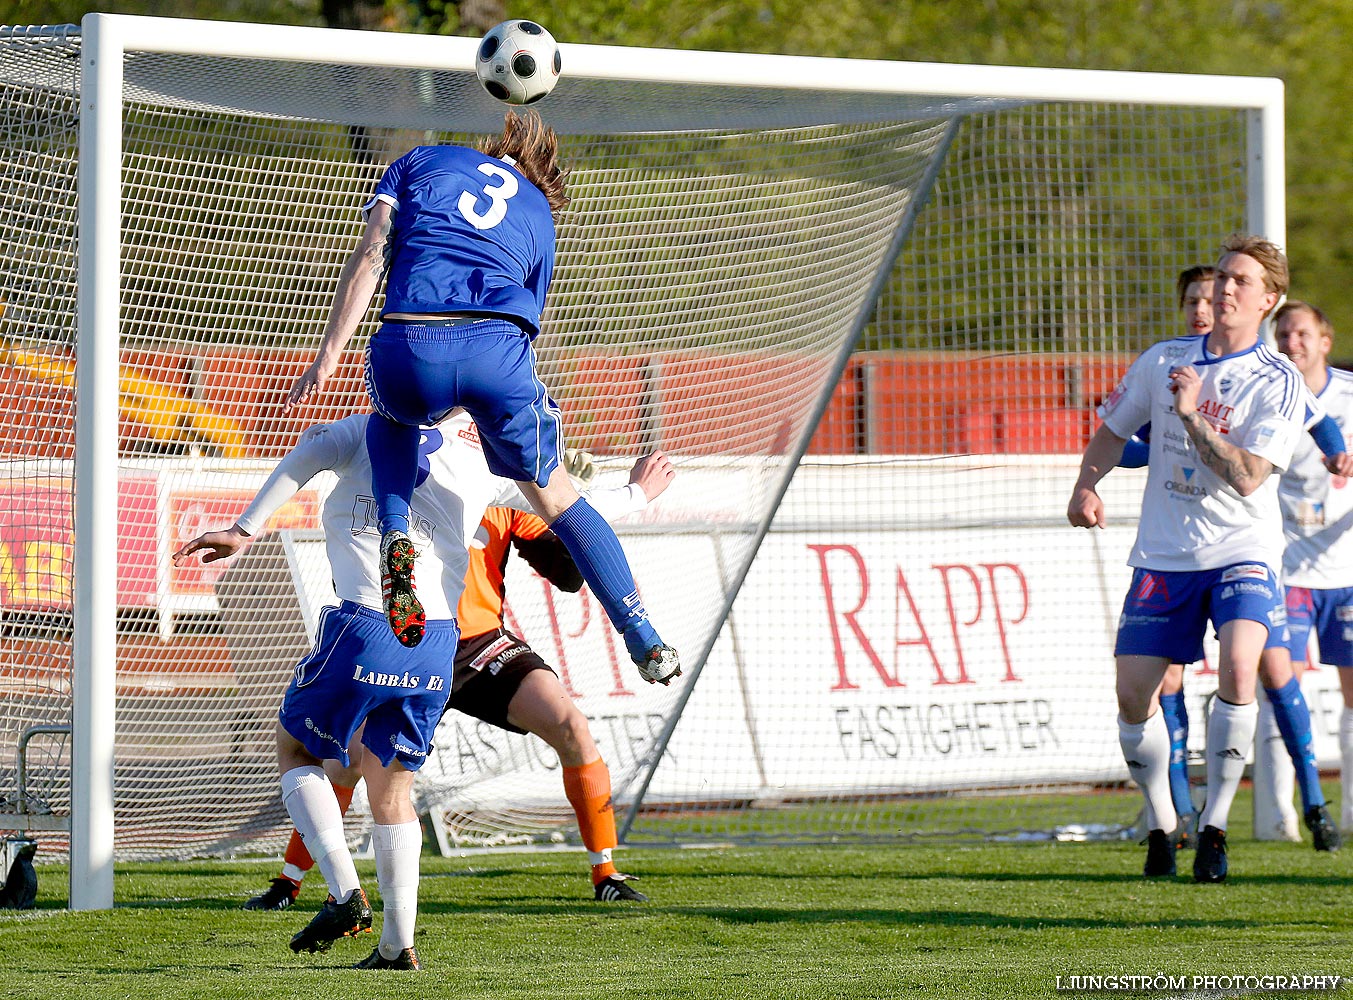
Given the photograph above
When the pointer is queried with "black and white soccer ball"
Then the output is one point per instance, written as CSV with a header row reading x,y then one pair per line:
x,y
518,62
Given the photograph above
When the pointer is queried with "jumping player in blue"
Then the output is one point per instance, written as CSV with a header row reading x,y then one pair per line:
x,y
465,238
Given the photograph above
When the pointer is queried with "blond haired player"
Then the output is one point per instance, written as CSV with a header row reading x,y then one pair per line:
x,y
1284,722
1226,411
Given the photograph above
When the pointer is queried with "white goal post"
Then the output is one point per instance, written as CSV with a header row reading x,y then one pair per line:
x,y
737,219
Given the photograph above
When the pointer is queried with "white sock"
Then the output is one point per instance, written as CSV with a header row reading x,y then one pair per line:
x,y
397,847
601,857
1230,734
1146,749
313,808
1275,779
1346,773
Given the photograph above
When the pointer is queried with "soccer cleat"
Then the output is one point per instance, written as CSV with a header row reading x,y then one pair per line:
x,y
334,921
407,959
1186,833
278,896
403,610
659,665
1159,855
612,889
1324,833
1209,864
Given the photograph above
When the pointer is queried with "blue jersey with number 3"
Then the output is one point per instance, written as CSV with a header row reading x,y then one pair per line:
x,y
470,235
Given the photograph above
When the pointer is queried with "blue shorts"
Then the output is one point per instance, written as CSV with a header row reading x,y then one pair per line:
x,y
417,373
358,671
1329,613
1166,614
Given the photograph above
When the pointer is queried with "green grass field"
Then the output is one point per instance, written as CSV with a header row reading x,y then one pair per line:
x,y
924,920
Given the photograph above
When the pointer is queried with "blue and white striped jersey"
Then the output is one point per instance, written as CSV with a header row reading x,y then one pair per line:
x,y
1317,508
1191,518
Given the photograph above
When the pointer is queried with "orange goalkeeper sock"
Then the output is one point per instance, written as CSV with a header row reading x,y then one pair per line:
x,y
588,789
296,860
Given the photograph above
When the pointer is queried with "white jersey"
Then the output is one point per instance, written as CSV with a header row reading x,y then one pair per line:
x,y
1191,518
1317,508
453,489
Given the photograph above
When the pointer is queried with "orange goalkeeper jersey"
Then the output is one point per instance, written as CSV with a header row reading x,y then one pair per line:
x,y
481,605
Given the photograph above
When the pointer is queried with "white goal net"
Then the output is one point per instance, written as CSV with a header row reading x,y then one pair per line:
x,y
868,325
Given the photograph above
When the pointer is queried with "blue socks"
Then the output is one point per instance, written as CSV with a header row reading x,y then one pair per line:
x,y
1293,717
393,450
1177,723
601,560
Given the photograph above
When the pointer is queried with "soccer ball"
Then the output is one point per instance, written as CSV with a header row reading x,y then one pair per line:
x,y
518,62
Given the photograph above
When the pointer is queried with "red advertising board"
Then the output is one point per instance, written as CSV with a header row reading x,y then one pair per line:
x,y
37,544
191,512
37,538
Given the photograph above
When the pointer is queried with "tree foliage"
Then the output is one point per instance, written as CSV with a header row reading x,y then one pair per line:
x,y
1301,43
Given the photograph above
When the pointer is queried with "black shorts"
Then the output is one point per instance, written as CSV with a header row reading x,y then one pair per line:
x,y
489,670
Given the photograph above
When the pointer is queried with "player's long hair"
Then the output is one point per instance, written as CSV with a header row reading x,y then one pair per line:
x,y
534,148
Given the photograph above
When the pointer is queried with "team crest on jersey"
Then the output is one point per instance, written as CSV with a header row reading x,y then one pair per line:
x,y
1225,384
1114,397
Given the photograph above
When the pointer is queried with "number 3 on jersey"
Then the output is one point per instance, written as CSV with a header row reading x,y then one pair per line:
x,y
497,194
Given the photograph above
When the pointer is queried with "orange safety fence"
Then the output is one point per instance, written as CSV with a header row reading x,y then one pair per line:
x,y
227,402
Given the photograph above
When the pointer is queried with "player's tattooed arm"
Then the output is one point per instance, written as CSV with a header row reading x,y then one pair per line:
x,y
377,250
1244,471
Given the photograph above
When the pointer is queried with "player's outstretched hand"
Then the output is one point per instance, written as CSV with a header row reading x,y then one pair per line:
x,y
1086,509
309,385
1340,464
213,545
653,473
